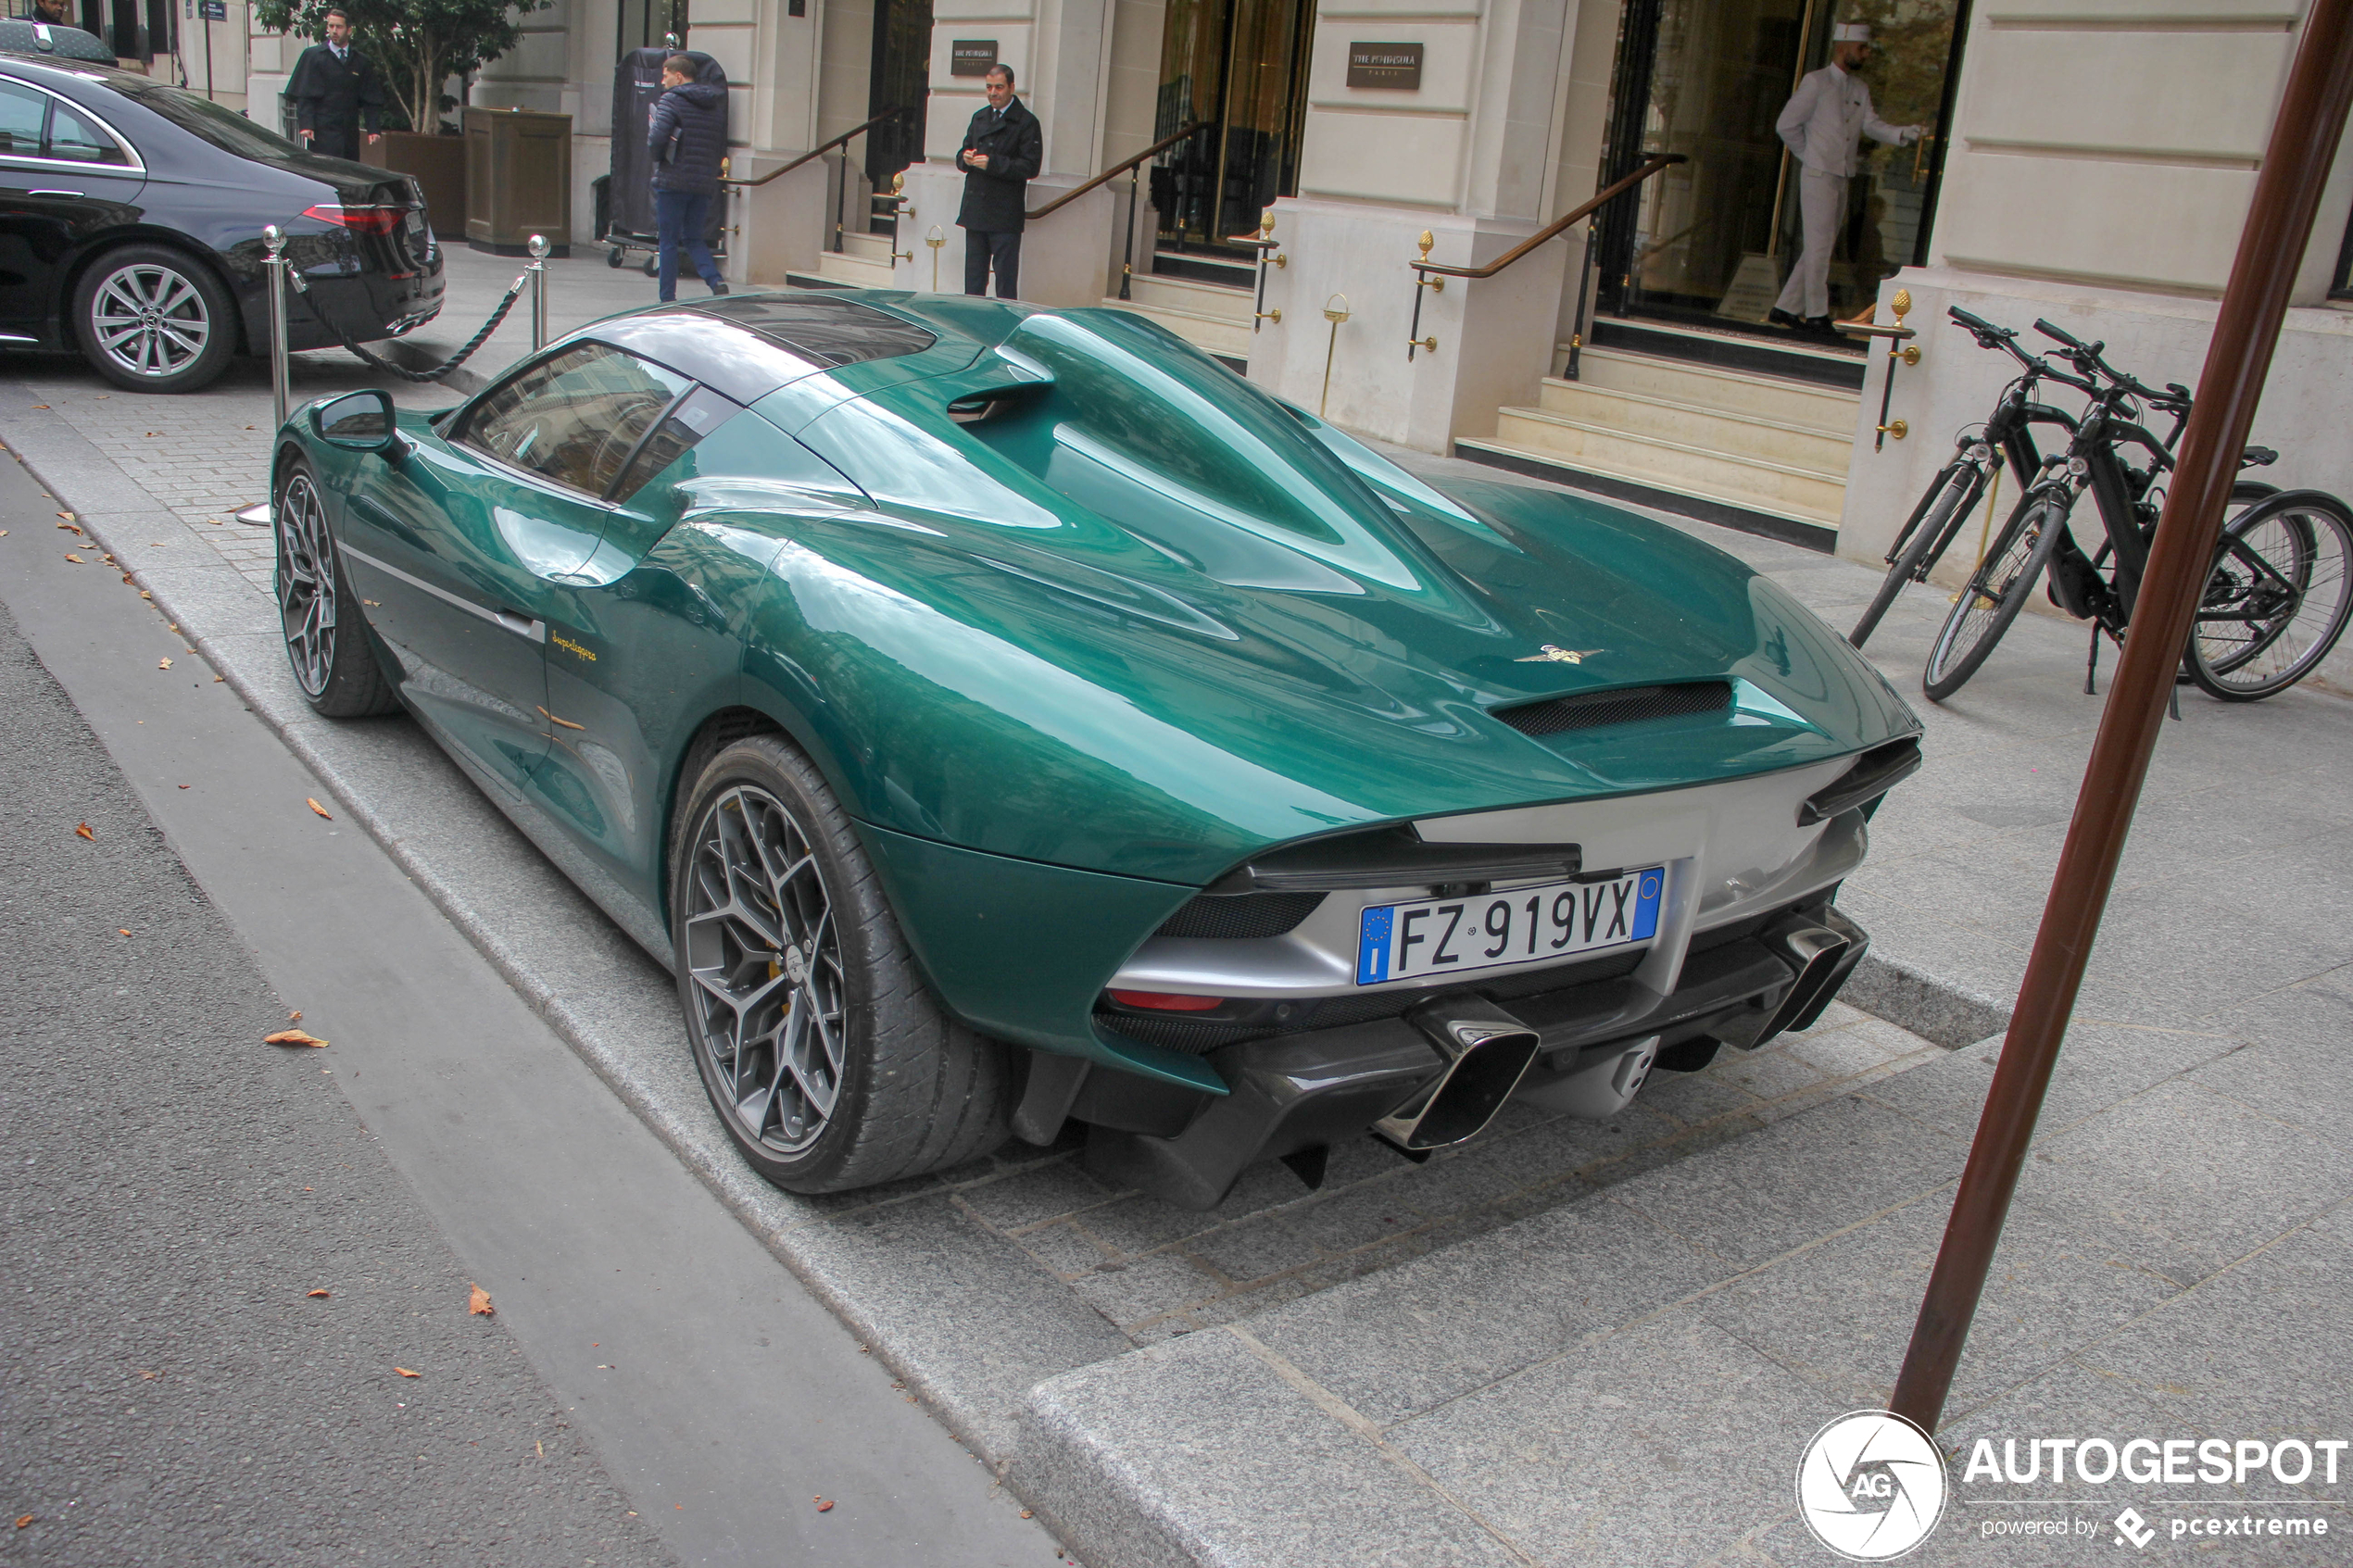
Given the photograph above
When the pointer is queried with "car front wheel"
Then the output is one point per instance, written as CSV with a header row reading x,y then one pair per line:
x,y
154,319
824,1053
326,641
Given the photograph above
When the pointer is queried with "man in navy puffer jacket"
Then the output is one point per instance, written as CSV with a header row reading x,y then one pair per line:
x,y
687,136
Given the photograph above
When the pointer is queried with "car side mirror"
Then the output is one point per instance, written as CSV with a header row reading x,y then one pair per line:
x,y
358,421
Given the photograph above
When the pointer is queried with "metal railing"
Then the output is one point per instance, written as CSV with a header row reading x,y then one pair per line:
x,y
1435,273
1128,167
818,151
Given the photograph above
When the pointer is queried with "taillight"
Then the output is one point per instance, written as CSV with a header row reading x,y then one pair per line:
x,y
1164,1001
367,220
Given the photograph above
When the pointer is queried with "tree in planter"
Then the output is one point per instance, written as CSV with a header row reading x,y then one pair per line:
x,y
417,43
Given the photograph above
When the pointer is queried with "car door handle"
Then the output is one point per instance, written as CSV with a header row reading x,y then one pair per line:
x,y
74,195
520,625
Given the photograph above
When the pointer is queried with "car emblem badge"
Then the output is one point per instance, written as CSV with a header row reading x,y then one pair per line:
x,y
796,967
1560,656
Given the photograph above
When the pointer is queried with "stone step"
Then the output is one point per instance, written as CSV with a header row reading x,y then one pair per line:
x,y
1742,434
868,247
1207,300
1222,335
1708,386
1752,483
854,271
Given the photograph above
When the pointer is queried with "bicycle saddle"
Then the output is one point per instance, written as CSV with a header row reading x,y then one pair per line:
x,y
2257,456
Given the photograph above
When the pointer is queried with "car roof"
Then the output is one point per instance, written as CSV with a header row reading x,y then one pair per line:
x,y
23,36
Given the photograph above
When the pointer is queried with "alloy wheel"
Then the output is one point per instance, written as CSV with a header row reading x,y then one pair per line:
x,y
150,320
765,964
306,582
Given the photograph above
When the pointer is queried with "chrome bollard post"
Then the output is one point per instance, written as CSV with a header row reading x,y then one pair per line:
x,y
539,271
281,382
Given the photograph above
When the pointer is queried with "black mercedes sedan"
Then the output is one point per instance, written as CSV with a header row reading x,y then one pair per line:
x,y
131,221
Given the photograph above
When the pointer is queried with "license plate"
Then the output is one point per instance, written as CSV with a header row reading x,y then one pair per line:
x,y
1449,937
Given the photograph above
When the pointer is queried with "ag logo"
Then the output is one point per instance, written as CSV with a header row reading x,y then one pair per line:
x,y
2131,1527
1871,1486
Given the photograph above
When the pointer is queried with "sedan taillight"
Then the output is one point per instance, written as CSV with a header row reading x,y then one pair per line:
x,y
367,220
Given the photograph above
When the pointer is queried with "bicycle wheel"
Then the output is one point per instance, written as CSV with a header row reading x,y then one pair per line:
x,y
1996,591
2277,598
1952,493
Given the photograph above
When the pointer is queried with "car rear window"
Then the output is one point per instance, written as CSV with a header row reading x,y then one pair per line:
x,y
224,128
830,331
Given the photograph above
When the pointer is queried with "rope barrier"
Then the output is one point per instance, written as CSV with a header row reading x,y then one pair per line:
x,y
378,362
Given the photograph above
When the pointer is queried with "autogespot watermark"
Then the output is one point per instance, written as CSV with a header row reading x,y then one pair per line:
x,y
1872,1486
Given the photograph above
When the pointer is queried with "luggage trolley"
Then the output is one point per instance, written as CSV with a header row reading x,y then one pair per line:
x,y
636,87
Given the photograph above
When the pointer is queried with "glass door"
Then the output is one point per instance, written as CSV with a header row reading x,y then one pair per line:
x,y
1712,240
900,80
1241,65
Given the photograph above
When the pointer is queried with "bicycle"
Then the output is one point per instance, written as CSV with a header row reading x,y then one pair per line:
x,y
1977,460
2276,598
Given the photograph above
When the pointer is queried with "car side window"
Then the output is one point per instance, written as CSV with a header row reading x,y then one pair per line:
x,y
702,412
21,112
75,140
575,417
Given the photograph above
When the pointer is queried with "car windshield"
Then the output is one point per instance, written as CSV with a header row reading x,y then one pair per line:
x,y
224,128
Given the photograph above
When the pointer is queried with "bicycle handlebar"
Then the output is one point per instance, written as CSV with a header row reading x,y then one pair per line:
x,y
2085,357
1988,335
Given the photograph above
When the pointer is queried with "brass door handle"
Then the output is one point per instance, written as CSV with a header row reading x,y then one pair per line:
x,y
1920,156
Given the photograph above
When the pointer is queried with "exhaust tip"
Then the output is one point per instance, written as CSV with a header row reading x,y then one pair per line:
x,y
1486,1051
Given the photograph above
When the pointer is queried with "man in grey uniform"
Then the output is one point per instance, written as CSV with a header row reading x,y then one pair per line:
x,y
1826,113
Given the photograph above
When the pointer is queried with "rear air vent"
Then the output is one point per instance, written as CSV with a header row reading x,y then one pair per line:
x,y
1254,915
1628,704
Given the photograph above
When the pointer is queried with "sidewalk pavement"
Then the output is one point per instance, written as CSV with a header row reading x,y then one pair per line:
x,y
1574,1342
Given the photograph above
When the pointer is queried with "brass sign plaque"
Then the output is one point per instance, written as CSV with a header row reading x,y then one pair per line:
x,y
971,57
1397,66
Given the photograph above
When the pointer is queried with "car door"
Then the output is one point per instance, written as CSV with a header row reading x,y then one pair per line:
x,y
457,548
64,178
648,636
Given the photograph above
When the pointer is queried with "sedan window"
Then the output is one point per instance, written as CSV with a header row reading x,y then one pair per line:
x,y
74,138
574,418
20,115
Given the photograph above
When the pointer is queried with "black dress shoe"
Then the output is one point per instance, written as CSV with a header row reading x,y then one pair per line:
x,y
718,288
1781,317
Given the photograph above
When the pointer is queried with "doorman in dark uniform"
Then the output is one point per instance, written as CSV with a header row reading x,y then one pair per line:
x,y
1002,150
333,87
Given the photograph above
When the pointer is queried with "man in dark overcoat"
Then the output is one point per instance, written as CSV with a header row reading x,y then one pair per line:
x,y
333,87
1002,151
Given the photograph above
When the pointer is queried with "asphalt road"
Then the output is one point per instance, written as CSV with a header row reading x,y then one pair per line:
x,y
177,1188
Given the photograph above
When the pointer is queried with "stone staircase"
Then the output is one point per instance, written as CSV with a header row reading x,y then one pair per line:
x,y
1763,452
1209,315
862,262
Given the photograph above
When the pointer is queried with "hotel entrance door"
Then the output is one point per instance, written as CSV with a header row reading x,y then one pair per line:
x,y
1241,65
1712,240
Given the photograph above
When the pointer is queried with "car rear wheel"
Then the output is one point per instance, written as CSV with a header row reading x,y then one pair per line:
x,y
326,641
154,319
827,1060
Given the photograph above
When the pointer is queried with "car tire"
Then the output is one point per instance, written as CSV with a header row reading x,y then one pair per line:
x,y
155,320
326,637
825,1054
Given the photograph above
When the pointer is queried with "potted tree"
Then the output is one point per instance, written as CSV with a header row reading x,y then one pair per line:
x,y
418,45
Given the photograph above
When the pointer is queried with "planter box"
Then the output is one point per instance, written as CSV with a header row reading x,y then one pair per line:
x,y
518,179
437,164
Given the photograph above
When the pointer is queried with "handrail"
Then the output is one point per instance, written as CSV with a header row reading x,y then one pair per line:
x,y
817,150
1653,163
1118,168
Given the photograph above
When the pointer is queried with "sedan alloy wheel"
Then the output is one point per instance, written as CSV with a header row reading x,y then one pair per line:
x,y
151,320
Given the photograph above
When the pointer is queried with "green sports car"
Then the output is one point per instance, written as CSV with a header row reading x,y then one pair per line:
x,y
1000,718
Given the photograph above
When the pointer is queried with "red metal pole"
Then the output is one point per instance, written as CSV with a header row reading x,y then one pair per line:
x,y
2279,224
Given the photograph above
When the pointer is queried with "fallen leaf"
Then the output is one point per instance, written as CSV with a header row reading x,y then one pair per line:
x,y
4,533
405,1373
124,929
68,516
478,1301
318,1295
216,681
292,1037
184,786
82,830
25,1519
824,1505
151,1376
163,664
143,593
41,405
153,432
1026,1515
72,557
70,527
294,1016
320,809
